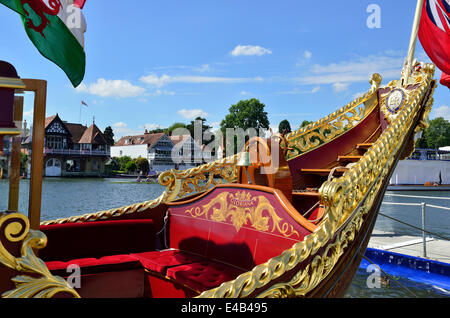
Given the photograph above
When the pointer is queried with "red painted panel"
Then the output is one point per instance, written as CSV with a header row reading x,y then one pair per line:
x,y
242,227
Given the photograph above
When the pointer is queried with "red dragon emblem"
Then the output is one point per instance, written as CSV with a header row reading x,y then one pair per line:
x,y
41,8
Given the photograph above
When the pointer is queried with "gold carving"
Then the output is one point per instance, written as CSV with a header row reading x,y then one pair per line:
x,y
241,209
41,284
332,126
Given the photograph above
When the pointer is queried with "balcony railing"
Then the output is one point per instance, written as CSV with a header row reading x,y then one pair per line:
x,y
77,152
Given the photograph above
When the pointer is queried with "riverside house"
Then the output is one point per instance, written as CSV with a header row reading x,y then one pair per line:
x,y
162,152
72,150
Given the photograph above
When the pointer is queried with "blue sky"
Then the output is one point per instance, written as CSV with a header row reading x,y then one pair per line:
x,y
153,63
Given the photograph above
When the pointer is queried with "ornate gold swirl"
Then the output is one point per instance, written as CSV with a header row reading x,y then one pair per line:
x,y
41,284
330,127
243,209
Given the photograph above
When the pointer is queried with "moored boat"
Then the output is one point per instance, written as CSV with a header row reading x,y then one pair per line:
x,y
240,226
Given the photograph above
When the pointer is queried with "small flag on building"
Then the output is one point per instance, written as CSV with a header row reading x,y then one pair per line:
x,y
83,103
57,30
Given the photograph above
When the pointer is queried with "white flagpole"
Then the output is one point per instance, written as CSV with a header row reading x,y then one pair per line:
x,y
412,43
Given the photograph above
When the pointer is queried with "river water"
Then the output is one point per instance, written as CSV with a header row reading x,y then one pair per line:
x,y
71,197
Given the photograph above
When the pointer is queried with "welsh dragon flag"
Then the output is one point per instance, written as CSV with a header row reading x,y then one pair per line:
x,y
56,28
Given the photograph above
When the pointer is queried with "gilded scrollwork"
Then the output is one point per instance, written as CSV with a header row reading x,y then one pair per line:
x,y
243,209
330,127
38,282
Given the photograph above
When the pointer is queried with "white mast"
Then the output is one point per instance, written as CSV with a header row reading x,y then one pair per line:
x,y
412,43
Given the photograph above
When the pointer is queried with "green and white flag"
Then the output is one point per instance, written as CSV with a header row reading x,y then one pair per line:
x,y
56,27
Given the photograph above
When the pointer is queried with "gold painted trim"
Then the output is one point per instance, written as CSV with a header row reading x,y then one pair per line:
x,y
333,126
9,82
9,131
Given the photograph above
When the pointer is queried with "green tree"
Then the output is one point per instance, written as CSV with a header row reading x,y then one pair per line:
x,y
436,135
305,123
174,126
130,166
123,161
109,135
23,163
245,114
142,165
191,126
284,126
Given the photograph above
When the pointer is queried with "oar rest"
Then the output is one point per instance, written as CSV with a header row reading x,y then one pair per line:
x,y
227,231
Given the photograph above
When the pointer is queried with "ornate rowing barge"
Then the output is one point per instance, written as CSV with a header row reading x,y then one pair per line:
x,y
289,216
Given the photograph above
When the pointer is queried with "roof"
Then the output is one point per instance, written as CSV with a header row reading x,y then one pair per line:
x,y
49,120
146,139
93,135
80,134
177,139
77,131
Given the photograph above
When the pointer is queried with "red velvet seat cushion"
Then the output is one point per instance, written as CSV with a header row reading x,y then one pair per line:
x,y
203,275
160,261
95,265
97,239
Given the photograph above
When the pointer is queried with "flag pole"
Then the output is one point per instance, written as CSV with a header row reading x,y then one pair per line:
x,y
412,43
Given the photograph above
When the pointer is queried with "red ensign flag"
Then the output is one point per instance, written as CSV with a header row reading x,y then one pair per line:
x,y
434,34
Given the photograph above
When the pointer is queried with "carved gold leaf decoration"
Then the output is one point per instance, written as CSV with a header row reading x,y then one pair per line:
x,y
332,126
243,209
41,283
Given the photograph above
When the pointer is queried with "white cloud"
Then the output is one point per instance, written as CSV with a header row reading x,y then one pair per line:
x,y
28,113
165,79
297,91
359,69
159,92
121,129
151,126
202,69
111,88
307,55
315,89
192,113
340,87
119,125
443,111
250,50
